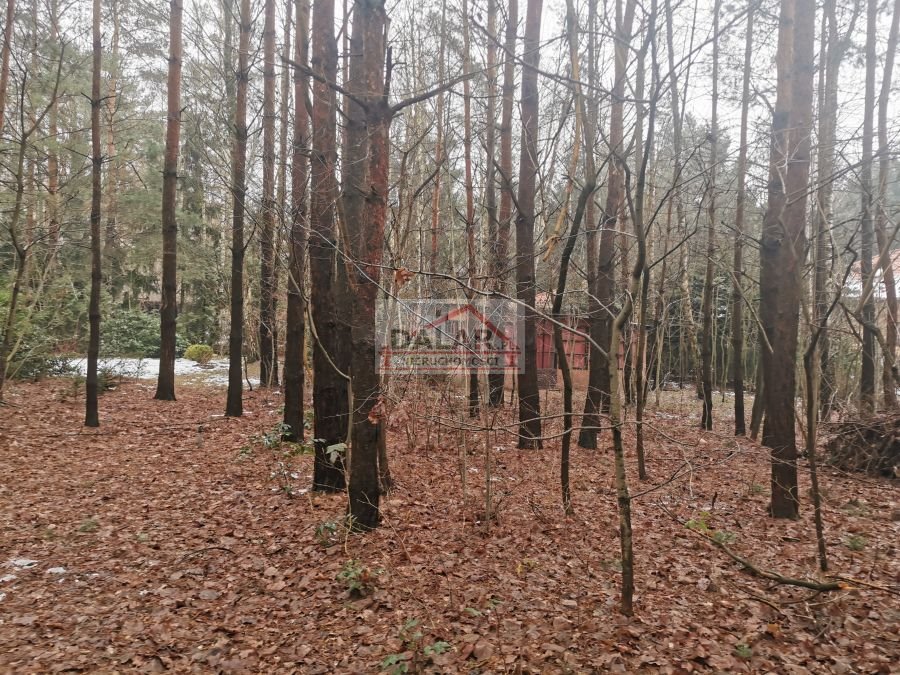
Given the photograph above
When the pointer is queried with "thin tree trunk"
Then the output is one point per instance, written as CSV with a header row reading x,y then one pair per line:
x,y
91,415
470,192
496,262
500,246
832,51
110,241
529,399
296,305
234,405
168,312
737,270
587,434
21,250
4,58
707,348
438,154
867,371
881,216
329,332
268,371
52,152
597,400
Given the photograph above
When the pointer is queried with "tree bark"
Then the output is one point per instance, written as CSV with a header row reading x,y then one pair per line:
x,y
91,414
331,352
867,370
268,367
296,305
881,216
168,312
707,348
364,198
234,406
4,57
496,264
500,245
597,400
737,270
529,400
783,245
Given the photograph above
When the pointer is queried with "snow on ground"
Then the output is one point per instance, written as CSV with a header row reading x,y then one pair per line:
x,y
214,372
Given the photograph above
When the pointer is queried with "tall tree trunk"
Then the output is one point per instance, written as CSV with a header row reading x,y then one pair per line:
x,y
470,192
867,371
438,155
365,187
496,262
168,312
529,400
881,217
707,348
500,246
4,57
590,421
737,270
52,150
21,250
91,414
296,306
110,240
783,245
234,404
330,334
268,370
832,51
597,400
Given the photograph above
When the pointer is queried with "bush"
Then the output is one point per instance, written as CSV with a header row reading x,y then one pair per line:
x,y
133,333
202,354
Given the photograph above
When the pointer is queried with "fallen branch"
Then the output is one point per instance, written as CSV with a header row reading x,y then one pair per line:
x,y
758,571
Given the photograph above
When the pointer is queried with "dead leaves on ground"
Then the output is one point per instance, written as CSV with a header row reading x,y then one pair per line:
x,y
155,547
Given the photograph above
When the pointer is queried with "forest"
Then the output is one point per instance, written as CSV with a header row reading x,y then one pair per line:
x,y
482,336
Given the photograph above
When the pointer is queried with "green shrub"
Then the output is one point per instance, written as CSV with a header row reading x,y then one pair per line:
x,y
133,333
202,354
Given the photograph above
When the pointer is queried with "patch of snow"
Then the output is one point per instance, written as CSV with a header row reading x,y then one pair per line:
x,y
2,597
56,570
214,372
23,563
7,577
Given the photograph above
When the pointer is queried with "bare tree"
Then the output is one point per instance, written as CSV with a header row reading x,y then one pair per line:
x,y
168,311
268,362
296,282
783,244
331,350
529,400
91,415
737,270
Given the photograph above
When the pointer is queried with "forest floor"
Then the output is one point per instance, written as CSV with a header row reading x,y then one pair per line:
x,y
174,539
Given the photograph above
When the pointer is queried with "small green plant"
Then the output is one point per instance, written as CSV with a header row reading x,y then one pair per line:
x,y
326,533
756,489
89,525
202,354
743,651
415,653
701,524
359,579
856,542
723,537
